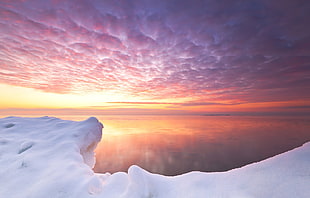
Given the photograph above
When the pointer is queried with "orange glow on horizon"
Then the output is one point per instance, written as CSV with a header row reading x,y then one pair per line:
x,y
21,100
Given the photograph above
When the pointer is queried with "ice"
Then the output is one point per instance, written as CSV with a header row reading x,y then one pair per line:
x,y
53,158
25,146
9,125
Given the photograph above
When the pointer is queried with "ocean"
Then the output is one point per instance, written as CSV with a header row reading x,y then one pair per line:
x,y
173,145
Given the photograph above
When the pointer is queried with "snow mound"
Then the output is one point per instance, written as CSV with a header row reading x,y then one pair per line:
x,y
53,158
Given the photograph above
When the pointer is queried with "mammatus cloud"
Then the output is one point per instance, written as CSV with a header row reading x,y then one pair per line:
x,y
208,50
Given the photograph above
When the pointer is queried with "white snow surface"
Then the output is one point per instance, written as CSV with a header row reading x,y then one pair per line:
x,y
52,158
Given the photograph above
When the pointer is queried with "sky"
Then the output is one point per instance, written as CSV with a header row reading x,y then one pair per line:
x,y
163,56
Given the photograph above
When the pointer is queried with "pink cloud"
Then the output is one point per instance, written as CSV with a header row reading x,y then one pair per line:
x,y
205,50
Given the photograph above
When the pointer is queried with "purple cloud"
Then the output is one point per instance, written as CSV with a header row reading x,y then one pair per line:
x,y
209,50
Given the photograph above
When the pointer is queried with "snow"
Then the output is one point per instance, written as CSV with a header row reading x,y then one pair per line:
x,y
53,158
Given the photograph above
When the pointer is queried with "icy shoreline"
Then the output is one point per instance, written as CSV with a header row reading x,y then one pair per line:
x,y
50,157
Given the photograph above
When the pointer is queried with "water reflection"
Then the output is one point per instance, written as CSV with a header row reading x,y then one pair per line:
x,y
172,145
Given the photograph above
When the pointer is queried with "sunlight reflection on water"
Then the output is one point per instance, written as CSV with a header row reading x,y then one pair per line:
x,y
172,145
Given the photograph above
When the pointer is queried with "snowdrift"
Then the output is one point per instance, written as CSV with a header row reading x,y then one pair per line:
x,y
53,158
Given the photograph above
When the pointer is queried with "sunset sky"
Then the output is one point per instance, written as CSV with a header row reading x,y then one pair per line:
x,y
160,56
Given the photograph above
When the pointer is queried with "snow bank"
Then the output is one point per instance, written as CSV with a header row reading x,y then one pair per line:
x,y
52,158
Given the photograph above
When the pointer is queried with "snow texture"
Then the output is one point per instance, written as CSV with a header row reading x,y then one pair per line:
x,y
53,158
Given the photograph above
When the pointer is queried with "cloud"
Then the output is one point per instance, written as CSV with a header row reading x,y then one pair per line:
x,y
208,50
298,107
176,104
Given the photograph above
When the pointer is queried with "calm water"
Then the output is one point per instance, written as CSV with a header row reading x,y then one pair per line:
x,y
172,145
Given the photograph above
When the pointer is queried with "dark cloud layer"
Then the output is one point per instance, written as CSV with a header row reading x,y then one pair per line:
x,y
241,50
